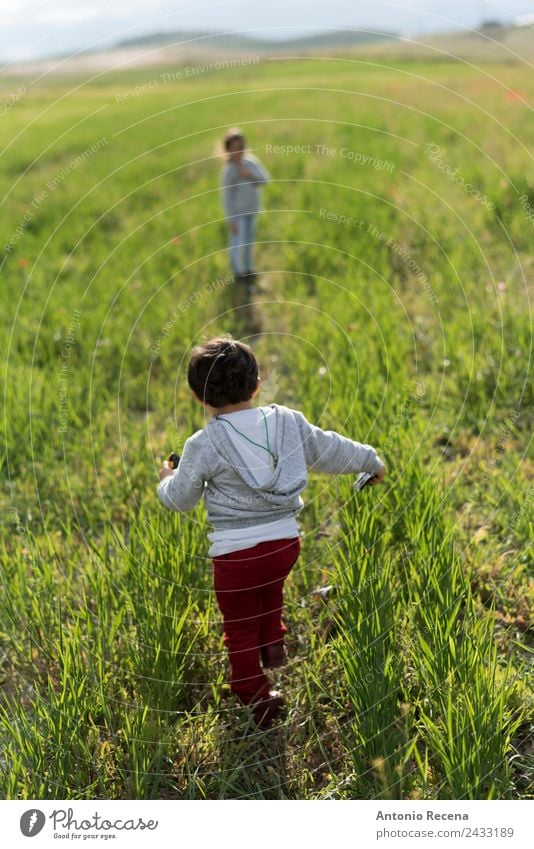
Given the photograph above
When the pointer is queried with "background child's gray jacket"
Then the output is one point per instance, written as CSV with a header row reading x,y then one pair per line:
x,y
211,466
241,195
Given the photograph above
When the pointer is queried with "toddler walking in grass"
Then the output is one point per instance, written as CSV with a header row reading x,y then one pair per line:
x,y
250,466
241,178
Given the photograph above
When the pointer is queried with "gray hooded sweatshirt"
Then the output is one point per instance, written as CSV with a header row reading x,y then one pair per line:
x,y
240,195
211,467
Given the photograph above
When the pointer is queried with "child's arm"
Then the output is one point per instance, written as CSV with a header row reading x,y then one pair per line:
x,y
227,189
254,171
182,490
328,451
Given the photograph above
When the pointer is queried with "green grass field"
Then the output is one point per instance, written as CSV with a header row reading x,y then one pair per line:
x,y
394,306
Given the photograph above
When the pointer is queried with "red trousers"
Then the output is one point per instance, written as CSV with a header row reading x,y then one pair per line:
x,y
249,586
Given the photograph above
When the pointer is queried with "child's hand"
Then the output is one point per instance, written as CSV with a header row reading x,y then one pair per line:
x,y
232,226
165,471
379,476
245,172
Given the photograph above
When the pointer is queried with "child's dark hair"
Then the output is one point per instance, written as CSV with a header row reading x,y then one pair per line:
x,y
232,135
222,371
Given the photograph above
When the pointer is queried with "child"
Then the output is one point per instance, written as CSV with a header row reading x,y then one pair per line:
x,y
240,178
250,466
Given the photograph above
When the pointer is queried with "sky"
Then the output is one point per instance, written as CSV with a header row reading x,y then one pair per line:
x,y
32,29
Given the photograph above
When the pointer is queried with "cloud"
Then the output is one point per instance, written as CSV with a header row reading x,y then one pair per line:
x,y
67,14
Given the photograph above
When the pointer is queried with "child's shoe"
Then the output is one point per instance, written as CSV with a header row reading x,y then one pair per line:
x,y
267,709
250,279
273,655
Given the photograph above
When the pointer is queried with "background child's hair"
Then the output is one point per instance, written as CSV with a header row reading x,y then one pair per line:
x,y
232,135
222,371
221,148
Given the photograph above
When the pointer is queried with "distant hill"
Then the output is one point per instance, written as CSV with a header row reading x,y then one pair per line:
x,y
175,48
235,41
491,43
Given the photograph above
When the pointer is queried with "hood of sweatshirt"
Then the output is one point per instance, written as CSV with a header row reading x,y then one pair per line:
x,y
285,481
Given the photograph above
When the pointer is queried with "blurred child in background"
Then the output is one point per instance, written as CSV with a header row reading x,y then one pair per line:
x,y
241,179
